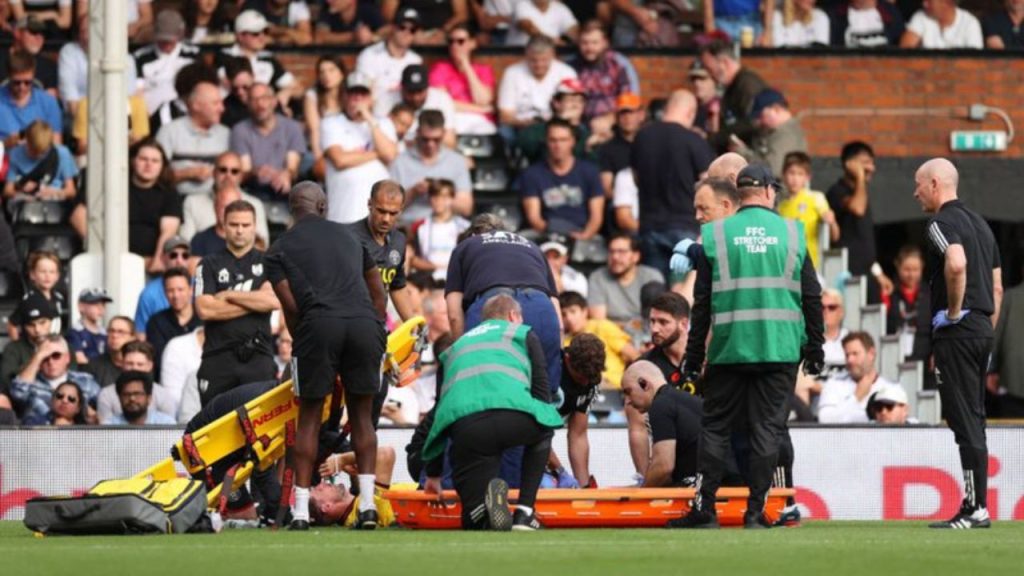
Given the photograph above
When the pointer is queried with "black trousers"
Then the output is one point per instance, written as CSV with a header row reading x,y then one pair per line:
x,y
224,372
960,369
738,397
478,441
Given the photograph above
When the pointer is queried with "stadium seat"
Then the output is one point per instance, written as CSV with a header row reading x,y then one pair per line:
x,y
591,251
855,292
490,177
10,285
834,265
872,320
40,213
475,146
911,377
61,242
607,401
277,213
890,355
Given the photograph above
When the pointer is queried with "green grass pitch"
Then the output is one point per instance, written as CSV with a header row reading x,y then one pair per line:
x,y
817,548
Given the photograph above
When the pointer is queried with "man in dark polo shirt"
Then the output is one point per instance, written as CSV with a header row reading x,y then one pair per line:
x,y
385,243
180,318
235,301
668,320
675,419
334,304
966,288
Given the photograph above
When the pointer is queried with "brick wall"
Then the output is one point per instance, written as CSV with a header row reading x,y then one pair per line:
x,y
935,90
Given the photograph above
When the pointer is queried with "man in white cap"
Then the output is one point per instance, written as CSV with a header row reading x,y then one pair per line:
x,y
889,406
251,39
157,65
384,61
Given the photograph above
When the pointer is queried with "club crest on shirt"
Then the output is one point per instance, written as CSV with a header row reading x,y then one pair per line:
x,y
257,269
394,258
223,276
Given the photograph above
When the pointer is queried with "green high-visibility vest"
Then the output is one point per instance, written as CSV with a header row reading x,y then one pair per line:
x,y
756,261
488,368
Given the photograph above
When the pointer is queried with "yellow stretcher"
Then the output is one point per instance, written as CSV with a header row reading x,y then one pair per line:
x,y
269,420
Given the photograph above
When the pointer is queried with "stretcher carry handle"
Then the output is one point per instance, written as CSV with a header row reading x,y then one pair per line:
x,y
64,514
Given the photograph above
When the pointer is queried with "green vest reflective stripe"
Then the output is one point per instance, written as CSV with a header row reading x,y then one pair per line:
x,y
756,259
488,368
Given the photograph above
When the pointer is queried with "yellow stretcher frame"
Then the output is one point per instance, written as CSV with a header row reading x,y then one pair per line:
x,y
270,414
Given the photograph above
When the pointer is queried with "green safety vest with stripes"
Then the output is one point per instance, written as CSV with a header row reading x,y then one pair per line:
x,y
488,368
756,261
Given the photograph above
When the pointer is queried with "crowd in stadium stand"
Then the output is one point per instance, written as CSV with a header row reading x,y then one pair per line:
x,y
565,150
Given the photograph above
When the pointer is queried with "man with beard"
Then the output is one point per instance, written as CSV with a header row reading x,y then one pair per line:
x,y
135,390
668,320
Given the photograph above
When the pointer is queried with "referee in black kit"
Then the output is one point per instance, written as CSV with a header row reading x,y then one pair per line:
x,y
966,287
333,301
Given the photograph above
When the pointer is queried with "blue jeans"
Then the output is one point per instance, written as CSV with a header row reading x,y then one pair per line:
x,y
656,248
539,314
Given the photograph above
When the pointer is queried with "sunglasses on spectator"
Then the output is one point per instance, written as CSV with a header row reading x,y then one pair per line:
x,y
832,307
409,28
458,41
13,82
228,170
54,356
179,255
885,407
71,399
259,33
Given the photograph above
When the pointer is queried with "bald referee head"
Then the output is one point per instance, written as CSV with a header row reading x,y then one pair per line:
x,y
640,383
307,198
935,182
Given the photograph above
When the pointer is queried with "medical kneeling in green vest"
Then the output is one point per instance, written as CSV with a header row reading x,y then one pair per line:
x,y
494,396
758,295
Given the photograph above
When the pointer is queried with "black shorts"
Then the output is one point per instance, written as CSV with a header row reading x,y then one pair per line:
x,y
352,348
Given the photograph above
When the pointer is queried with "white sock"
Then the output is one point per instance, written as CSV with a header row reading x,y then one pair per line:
x,y
300,510
366,487
525,509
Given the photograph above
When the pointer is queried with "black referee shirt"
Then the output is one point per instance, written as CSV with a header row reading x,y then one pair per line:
x,y
957,224
390,257
676,415
222,271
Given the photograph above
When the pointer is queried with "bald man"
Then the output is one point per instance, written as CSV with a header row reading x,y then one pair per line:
x,y
727,166
667,158
675,421
333,302
966,292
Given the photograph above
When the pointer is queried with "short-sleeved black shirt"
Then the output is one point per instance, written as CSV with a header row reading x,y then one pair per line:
x,y
999,24
856,233
676,415
390,258
575,398
495,259
613,155
324,264
222,271
667,161
957,224
146,206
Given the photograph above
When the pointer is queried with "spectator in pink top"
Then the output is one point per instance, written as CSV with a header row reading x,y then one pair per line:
x,y
470,85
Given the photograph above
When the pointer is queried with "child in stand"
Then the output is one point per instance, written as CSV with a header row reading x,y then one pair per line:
x,y
435,236
88,337
43,276
805,205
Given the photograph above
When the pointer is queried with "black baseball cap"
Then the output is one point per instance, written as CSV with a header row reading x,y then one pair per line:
x,y
755,176
765,98
408,14
35,306
94,296
414,77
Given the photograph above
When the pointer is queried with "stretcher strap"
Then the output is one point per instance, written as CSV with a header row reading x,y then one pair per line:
x,y
226,488
288,481
195,460
249,432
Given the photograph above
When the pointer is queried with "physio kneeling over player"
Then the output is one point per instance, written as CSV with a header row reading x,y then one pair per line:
x,y
495,396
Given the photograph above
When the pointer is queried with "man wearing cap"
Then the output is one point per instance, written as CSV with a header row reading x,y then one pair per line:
x,y
778,131
29,36
568,103
158,64
270,144
567,278
757,288
613,155
382,63
357,148
429,160
562,194
32,388
87,337
844,398
288,20
889,406
176,252
419,95
135,393
527,87
606,75
37,314
251,39
178,319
